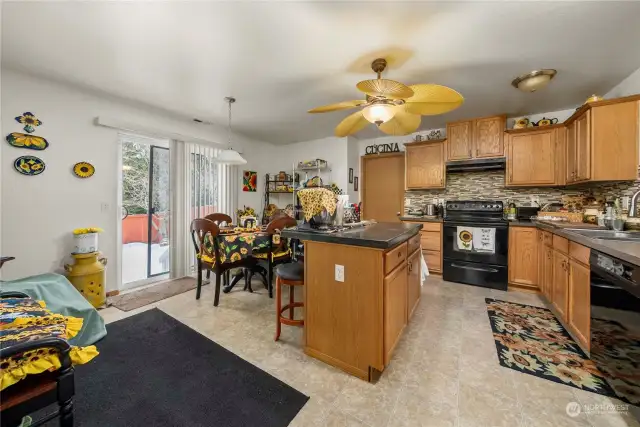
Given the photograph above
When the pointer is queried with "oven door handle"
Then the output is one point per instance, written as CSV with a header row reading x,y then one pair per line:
x,y
469,267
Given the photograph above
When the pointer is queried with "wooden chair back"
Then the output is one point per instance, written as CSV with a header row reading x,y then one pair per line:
x,y
202,229
275,227
219,218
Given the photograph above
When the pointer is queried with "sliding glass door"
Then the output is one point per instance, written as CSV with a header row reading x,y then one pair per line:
x,y
145,210
158,217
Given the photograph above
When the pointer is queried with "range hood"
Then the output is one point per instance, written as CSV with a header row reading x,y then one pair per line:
x,y
476,165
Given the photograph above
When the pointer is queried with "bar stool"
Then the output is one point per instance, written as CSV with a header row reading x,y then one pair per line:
x,y
290,274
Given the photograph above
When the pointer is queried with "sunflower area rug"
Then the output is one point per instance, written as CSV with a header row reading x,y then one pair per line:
x,y
531,340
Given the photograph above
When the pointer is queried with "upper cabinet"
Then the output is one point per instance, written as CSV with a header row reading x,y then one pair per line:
x,y
535,156
602,141
424,165
460,140
477,138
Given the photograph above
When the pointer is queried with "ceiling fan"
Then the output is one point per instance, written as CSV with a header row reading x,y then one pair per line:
x,y
392,106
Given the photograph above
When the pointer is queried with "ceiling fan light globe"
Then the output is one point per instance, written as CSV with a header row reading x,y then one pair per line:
x,y
230,157
379,113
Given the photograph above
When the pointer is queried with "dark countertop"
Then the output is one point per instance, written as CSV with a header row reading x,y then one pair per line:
x,y
382,235
525,223
625,250
420,218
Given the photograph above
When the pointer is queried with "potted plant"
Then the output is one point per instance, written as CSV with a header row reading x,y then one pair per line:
x,y
86,240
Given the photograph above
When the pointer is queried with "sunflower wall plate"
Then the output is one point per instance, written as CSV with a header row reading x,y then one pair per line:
x,y
23,140
29,165
83,169
29,121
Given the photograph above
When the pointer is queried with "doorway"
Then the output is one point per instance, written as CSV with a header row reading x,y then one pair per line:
x,y
145,211
383,187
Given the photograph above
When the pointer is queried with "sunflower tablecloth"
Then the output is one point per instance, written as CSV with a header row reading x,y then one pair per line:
x,y
24,320
234,247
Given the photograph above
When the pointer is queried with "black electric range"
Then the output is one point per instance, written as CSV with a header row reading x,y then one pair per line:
x,y
475,243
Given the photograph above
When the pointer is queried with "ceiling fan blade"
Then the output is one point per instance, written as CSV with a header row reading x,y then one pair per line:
x,y
344,105
430,99
351,124
403,123
383,87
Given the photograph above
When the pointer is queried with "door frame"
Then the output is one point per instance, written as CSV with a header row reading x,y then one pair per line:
x,y
363,173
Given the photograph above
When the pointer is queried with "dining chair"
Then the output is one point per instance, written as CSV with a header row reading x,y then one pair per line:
x,y
278,251
219,219
204,234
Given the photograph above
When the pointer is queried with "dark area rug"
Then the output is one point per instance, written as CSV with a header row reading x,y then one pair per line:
x,y
531,340
155,371
155,293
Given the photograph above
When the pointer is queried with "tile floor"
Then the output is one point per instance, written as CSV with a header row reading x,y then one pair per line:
x,y
445,371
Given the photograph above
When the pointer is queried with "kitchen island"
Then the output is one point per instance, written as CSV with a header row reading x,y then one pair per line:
x,y
361,287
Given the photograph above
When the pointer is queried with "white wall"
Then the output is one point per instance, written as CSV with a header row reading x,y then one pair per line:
x,y
353,162
331,149
40,212
629,86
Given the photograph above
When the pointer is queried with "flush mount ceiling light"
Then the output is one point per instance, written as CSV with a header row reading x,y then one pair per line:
x,y
230,156
534,80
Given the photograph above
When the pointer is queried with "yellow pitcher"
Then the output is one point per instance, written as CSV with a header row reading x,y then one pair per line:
x,y
87,276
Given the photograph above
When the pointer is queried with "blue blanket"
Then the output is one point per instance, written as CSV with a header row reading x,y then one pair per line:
x,y
61,297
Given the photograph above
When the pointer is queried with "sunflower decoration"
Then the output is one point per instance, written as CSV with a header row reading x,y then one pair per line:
x,y
29,165
466,238
29,121
83,169
23,140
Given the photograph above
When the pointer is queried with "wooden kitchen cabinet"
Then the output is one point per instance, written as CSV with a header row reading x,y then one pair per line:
x,y
395,309
424,165
579,311
602,141
560,283
478,138
535,157
523,257
459,140
540,264
431,245
488,137
413,282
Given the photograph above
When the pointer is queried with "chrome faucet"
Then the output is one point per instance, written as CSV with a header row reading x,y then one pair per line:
x,y
633,209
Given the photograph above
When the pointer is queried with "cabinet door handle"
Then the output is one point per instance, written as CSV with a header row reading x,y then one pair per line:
x,y
399,254
410,267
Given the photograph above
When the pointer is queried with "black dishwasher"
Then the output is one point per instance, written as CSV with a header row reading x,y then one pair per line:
x,y
615,325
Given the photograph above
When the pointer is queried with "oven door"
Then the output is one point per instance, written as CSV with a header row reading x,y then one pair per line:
x,y
455,249
615,325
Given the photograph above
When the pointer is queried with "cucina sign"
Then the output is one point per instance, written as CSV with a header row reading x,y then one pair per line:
x,y
382,148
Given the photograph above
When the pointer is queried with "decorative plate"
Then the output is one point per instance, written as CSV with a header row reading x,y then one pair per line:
x,y
83,170
29,165
22,140
29,121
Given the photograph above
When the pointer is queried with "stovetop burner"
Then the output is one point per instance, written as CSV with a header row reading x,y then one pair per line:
x,y
474,210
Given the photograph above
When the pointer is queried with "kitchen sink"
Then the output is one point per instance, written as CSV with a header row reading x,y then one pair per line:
x,y
607,234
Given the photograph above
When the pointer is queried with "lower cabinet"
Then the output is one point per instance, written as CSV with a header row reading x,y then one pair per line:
x,y
579,315
564,277
413,282
560,293
395,308
523,257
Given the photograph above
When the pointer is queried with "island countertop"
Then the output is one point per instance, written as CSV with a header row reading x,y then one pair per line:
x,y
382,235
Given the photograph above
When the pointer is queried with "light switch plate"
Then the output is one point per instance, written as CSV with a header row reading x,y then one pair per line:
x,y
339,273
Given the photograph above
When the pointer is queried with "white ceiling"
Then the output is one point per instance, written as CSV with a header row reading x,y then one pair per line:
x,y
280,59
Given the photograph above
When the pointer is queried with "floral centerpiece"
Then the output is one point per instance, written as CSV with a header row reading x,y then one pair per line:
x,y
86,240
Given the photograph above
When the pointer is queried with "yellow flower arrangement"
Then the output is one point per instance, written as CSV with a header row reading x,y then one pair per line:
x,y
87,230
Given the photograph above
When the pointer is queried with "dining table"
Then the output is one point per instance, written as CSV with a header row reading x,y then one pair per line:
x,y
235,245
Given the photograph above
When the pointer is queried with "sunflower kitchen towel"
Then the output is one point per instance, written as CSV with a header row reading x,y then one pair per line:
x,y
484,240
465,238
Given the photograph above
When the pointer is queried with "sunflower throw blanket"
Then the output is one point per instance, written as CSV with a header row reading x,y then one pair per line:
x,y
315,200
24,320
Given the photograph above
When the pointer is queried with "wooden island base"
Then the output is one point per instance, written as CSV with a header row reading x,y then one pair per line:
x,y
355,325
